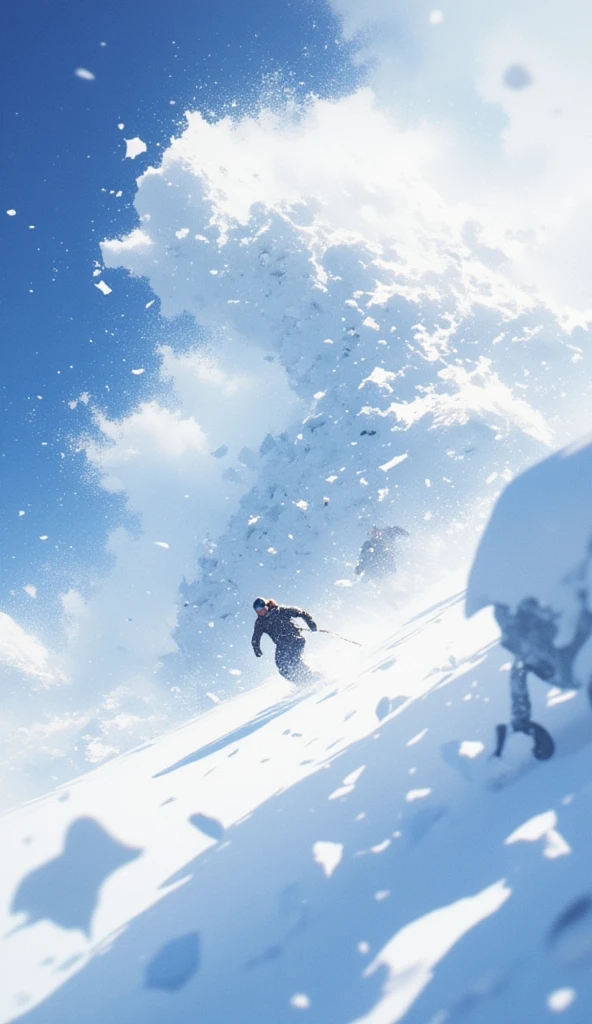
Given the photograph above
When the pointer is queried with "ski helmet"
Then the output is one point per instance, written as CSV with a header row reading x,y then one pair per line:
x,y
259,603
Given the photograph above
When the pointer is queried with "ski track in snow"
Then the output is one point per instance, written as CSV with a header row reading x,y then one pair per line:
x,y
265,861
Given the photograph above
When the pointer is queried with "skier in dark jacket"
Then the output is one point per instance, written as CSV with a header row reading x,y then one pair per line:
x,y
377,555
277,621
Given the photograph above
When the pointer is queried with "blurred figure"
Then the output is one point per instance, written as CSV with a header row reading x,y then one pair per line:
x,y
378,556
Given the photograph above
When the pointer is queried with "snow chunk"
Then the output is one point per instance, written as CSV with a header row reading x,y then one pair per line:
x,y
370,322
11,213
412,953
21,512
417,794
470,748
104,288
182,233
416,739
394,462
542,826
139,371
85,74
134,147
300,1001
328,855
436,17
301,504
560,999
533,829
161,544
30,590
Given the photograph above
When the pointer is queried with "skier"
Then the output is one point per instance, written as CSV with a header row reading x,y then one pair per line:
x,y
377,555
277,621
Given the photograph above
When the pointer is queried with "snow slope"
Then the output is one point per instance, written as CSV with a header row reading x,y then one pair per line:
x,y
346,855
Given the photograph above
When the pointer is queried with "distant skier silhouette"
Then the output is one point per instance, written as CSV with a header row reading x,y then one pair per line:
x,y
378,556
278,622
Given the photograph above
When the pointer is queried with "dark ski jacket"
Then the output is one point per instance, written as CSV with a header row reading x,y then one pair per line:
x,y
279,625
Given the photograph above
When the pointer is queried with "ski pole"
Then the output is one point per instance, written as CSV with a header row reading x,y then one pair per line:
x,y
339,637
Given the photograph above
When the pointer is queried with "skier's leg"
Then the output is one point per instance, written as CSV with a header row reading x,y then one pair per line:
x,y
544,746
520,698
288,658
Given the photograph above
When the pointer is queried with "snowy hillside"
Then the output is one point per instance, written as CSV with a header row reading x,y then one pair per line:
x,y
348,855
356,356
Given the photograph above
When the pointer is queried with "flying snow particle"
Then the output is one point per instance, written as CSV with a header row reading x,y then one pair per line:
x,y
560,999
300,1001
85,74
30,590
436,17
151,303
21,513
134,147
394,462
121,126
470,748
44,537
11,213
417,794
138,372
161,544
328,855
301,504
104,288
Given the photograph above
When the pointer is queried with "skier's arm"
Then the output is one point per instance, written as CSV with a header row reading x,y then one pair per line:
x,y
299,613
256,639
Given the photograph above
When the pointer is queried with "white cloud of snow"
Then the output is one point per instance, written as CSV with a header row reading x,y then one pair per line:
x,y
503,93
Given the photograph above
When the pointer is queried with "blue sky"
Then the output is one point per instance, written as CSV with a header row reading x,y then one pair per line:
x,y
63,160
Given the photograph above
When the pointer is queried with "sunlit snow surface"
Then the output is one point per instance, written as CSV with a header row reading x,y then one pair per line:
x,y
263,861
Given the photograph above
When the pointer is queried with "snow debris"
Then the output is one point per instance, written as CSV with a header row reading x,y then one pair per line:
x,y
542,826
30,590
182,233
471,748
21,512
161,544
561,999
301,504
300,1001
363,947
121,126
212,696
348,786
436,17
382,894
134,147
151,303
412,953
104,288
11,213
370,322
393,462
44,537
139,371
416,739
85,74
417,794
328,855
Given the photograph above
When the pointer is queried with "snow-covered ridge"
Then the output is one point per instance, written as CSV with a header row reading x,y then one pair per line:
x,y
329,856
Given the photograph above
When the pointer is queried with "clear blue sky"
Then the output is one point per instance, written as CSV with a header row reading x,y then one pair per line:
x,y
62,155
